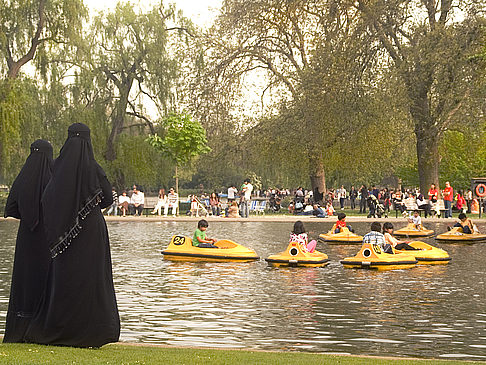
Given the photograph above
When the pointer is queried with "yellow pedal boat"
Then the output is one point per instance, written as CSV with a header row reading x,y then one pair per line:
x,y
427,254
344,236
372,257
181,248
294,256
411,231
456,235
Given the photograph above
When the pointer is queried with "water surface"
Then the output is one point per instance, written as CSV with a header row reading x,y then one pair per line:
x,y
427,311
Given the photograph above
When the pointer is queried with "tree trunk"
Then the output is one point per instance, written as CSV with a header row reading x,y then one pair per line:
x,y
176,180
118,122
428,157
316,171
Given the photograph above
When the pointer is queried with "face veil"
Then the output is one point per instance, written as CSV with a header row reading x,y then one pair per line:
x,y
74,189
24,200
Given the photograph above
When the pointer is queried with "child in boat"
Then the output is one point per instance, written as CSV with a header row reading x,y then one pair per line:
x,y
341,223
199,239
392,241
300,236
466,224
416,219
375,237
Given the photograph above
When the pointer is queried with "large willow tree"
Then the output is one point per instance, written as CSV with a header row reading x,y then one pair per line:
x,y
430,44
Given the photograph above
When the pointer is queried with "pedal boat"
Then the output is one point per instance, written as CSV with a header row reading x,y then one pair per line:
x,y
344,236
181,248
294,256
411,231
427,254
372,257
457,235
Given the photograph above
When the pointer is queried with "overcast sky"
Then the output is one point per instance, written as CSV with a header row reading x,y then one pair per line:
x,y
202,12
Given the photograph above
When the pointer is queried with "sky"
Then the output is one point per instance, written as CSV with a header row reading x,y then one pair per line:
x,y
201,12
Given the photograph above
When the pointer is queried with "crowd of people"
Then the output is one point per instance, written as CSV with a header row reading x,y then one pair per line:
x,y
377,202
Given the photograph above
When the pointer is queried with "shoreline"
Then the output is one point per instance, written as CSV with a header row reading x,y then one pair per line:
x,y
267,218
139,352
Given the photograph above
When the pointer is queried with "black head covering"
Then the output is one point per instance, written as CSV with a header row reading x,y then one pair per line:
x,y
24,200
74,189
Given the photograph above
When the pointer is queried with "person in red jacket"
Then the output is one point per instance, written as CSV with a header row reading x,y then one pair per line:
x,y
448,194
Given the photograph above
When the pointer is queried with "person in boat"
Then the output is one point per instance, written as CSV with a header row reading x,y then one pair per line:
x,y
392,241
341,223
199,239
299,235
466,224
375,237
416,219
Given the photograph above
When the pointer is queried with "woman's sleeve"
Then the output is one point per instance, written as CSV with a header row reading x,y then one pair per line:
x,y
12,208
106,189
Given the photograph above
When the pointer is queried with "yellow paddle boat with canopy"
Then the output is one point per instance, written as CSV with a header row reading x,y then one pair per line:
x,y
295,256
371,256
411,231
344,236
426,254
181,248
457,235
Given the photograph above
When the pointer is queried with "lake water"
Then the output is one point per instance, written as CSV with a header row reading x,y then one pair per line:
x,y
426,311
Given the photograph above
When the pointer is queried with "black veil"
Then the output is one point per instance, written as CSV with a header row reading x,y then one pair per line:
x,y
74,189
24,200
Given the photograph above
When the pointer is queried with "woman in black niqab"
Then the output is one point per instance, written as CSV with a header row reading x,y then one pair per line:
x,y
31,260
79,308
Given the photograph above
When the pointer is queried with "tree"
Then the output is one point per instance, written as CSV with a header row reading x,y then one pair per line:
x,y
429,49
183,140
27,25
127,49
282,38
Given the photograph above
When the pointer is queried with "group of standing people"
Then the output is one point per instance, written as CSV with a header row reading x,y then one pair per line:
x,y
62,289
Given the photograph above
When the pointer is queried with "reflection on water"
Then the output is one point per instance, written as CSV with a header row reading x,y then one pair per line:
x,y
428,311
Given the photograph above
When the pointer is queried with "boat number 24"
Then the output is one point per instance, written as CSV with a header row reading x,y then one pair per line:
x,y
179,240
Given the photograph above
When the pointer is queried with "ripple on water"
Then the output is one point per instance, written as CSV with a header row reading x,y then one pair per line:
x,y
439,310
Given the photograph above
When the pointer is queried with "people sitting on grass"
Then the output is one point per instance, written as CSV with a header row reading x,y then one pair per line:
x,y
392,241
329,208
199,239
316,211
233,210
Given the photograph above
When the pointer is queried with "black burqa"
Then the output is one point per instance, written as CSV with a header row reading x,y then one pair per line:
x,y
79,308
31,260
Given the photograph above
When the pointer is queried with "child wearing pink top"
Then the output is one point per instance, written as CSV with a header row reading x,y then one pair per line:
x,y
300,236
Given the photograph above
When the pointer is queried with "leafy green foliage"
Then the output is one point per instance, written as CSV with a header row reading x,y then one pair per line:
x,y
183,140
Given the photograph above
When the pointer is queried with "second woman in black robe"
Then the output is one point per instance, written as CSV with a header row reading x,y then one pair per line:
x,y
79,308
31,261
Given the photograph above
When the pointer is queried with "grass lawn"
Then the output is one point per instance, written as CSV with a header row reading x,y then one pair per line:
x,y
130,354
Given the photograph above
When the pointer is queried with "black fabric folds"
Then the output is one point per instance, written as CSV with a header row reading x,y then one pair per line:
x,y
24,200
31,260
74,190
79,305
